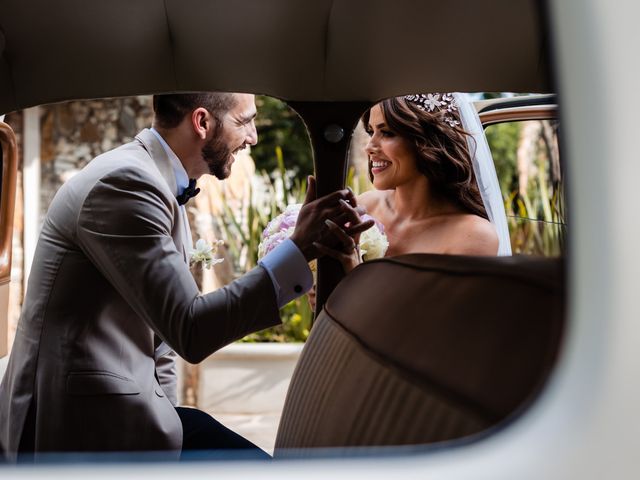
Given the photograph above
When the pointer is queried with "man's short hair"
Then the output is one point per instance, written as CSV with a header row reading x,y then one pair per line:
x,y
170,109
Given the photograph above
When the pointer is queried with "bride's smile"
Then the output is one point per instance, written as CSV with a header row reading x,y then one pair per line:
x,y
378,166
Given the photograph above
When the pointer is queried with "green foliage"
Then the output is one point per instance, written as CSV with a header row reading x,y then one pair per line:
x,y
296,323
283,160
503,139
242,228
358,183
242,231
280,127
535,213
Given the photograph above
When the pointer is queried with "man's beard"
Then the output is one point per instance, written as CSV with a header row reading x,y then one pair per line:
x,y
218,157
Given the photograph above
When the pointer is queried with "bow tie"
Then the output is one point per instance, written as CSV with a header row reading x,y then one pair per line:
x,y
190,191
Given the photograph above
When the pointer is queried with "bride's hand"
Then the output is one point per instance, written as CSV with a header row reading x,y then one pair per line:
x,y
348,255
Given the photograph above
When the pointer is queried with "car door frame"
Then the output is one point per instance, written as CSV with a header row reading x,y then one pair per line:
x,y
8,175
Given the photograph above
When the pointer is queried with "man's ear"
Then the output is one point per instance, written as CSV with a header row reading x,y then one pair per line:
x,y
202,122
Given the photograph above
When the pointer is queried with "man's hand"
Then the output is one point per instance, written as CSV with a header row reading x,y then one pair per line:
x,y
339,207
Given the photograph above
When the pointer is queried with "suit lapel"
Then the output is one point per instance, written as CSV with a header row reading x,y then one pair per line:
x,y
187,240
163,163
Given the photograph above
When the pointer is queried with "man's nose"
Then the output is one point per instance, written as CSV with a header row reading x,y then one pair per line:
x,y
252,134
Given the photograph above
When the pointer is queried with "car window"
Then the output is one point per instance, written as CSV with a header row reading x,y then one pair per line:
x,y
529,170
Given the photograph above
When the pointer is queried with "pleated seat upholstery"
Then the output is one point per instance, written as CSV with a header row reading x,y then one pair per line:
x,y
424,348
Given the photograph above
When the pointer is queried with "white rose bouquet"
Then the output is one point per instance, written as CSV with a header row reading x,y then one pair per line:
x,y
373,242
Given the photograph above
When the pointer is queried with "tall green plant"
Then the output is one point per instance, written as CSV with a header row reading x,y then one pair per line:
x,y
242,230
536,214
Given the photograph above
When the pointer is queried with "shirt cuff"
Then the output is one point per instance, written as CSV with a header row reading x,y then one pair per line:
x,y
289,272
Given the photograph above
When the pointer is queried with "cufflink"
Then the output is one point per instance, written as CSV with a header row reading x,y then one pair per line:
x,y
297,289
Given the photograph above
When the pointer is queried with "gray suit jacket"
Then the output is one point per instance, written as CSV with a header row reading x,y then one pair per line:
x,y
109,289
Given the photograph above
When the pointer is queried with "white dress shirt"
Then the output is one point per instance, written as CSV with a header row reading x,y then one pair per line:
x,y
285,264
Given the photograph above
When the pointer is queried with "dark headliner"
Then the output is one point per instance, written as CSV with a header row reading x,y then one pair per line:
x,y
303,50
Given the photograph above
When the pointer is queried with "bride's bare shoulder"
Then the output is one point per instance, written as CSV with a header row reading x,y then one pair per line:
x,y
475,236
372,199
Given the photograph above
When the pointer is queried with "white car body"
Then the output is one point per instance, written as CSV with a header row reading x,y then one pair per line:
x,y
584,425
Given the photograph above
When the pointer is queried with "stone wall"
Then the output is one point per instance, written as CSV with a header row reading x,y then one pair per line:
x,y
75,132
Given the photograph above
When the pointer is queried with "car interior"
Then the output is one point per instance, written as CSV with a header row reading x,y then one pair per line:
x,y
445,353
448,352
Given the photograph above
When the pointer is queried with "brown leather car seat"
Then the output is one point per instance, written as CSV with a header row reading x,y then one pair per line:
x,y
424,348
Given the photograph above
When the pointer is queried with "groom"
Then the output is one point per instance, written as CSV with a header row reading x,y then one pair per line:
x,y
111,298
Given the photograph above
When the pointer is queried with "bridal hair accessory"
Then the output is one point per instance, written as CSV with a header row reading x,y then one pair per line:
x,y
439,102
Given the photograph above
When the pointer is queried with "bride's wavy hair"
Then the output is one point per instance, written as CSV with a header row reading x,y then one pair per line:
x,y
442,154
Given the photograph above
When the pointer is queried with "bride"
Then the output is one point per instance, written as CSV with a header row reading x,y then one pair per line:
x,y
435,187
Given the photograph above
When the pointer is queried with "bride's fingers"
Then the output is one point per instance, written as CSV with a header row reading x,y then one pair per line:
x,y
353,230
345,240
357,209
343,213
348,222
349,214
352,213
330,252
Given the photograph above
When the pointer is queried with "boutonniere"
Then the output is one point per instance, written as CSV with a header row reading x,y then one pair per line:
x,y
204,253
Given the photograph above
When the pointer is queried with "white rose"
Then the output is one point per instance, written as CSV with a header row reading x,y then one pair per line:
x,y
204,252
373,243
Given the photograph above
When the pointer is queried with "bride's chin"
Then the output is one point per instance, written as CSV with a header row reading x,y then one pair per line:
x,y
379,185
